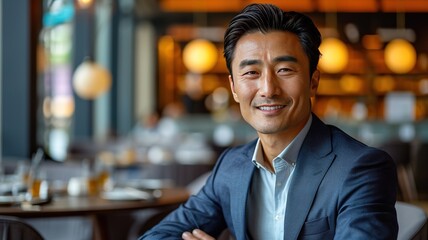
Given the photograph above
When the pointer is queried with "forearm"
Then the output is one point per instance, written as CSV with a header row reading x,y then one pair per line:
x,y
201,211
197,213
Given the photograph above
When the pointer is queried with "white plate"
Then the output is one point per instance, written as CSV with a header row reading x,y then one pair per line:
x,y
12,200
127,194
149,184
7,200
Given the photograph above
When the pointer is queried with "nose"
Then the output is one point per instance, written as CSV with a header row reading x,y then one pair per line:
x,y
269,85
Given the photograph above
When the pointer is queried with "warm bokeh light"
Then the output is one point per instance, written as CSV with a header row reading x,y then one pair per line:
x,y
62,106
46,107
84,3
350,83
200,55
400,56
383,84
334,55
90,80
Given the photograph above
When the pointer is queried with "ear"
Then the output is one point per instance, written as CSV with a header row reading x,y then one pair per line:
x,y
315,79
232,88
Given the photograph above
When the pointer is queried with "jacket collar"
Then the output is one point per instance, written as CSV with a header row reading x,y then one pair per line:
x,y
242,187
314,160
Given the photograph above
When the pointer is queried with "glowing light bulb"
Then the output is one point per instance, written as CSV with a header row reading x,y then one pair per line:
x,y
334,55
90,80
400,56
200,55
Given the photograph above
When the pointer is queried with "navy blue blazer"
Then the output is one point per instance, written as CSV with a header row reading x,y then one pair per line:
x,y
340,189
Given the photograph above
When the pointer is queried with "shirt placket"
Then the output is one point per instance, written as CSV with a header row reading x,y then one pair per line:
x,y
281,176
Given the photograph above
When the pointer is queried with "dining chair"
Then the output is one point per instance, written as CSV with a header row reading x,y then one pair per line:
x,y
13,228
401,153
412,222
420,167
146,219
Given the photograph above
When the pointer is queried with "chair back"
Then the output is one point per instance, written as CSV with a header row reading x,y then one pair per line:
x,y
412,222
401,153
13,228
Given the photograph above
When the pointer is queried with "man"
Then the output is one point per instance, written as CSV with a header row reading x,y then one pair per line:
x,y
301,179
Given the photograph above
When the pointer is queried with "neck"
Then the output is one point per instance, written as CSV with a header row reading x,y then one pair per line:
x,y
274,144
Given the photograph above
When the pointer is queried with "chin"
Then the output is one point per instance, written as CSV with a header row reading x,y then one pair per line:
x,y
266,129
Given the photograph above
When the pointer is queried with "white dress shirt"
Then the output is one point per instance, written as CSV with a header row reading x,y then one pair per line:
x,y
267,200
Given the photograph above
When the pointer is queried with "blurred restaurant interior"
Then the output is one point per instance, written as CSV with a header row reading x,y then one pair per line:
x,y
141,86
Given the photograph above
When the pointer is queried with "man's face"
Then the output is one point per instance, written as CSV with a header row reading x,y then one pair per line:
x,y
271,82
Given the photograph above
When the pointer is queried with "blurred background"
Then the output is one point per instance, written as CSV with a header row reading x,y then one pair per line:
x,y
144,81
138,89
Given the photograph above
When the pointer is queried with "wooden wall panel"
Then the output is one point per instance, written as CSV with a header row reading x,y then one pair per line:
x,y
289,5
200,5
347,6
404,5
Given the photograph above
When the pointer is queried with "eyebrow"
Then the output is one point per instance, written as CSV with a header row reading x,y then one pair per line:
x,y
285,59
248,62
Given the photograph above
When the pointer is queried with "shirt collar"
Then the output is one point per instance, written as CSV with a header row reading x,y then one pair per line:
x,y
290,152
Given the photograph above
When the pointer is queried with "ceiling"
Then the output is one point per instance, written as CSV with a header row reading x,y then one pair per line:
x,y
297,5
179,17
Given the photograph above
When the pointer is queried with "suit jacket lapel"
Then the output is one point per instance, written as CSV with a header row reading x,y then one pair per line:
x,y
241,186
314,159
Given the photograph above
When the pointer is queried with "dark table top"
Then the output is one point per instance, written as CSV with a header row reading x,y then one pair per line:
x,y
90,205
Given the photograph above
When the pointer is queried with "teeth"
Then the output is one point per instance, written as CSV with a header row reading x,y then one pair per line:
x,y
270,108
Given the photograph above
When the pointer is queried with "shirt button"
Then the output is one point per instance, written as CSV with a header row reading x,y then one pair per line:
x,y
279,184
277,217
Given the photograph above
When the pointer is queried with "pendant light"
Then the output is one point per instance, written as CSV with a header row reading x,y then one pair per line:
x,y
334,58
334,55
200,55
90,79
400,55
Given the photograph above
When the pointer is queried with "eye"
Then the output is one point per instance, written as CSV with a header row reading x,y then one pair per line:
x,y
285,70
250,73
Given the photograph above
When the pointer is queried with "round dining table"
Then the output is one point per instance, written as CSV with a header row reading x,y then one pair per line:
x,y
94,207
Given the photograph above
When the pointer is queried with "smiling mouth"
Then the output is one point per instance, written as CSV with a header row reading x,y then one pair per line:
x,y
271,108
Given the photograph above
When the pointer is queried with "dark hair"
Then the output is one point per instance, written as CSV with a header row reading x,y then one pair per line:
x,y
266,18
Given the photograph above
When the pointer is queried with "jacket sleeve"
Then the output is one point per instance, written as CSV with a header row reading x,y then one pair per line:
x,y
202,211
366,208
